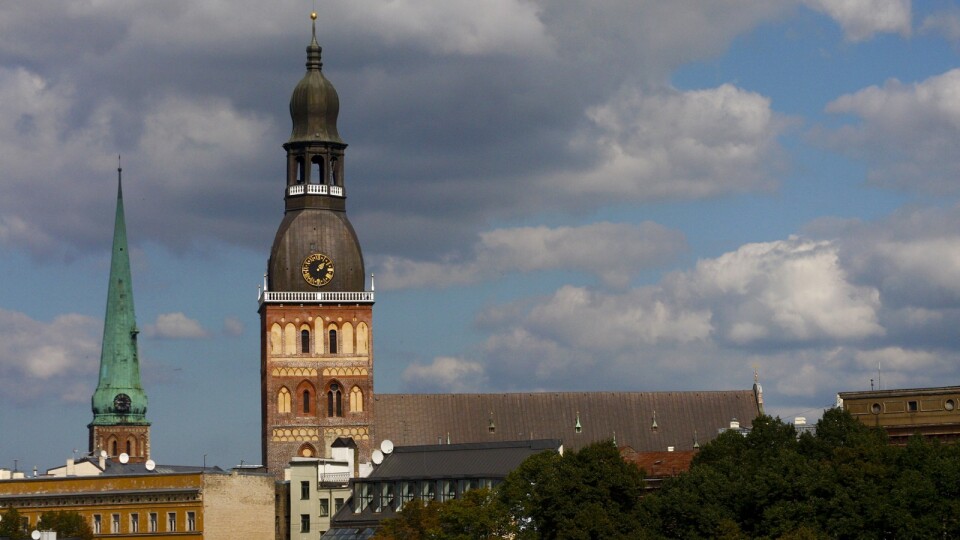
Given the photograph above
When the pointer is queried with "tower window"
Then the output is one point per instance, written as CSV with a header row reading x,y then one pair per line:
x,y
334,401
333,341
334,181
306,402
300,170
129,448
305,341
113,448
318,168
356,399
283,401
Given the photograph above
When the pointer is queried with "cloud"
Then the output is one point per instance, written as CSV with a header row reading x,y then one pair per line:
x,y
445,374
906,133
861,19
458,27
60,356
945,23
782,305
686,145
175,326
814,313
783,291
912,257
615,252
233,326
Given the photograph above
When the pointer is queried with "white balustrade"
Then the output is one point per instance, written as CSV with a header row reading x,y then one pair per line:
x,y
275,297
315,189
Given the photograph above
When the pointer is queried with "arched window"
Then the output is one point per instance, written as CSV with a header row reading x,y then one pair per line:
x,y
356,399
346,335
333,341
275,339
113,448
316,172
283,400
334,400
305,341
289,339
306,393
129,448
306,450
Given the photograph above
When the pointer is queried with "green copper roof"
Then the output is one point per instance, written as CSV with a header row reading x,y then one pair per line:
x,y
119,398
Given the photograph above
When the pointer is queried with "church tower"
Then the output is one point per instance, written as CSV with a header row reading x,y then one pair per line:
x,y
316,350
119,404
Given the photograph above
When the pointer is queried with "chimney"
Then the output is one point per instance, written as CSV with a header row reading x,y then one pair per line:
x,y
71,467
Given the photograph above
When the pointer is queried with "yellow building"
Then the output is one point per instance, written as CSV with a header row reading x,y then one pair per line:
x,y
931,412
168,502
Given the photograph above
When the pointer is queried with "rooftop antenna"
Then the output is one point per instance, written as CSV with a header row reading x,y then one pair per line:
x,y
654,426
871,384
879,380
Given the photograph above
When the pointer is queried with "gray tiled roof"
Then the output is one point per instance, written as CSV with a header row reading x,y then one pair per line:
x,y
682,417
477,460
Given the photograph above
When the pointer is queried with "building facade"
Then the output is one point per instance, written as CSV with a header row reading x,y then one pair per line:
x,y
165,503
316,315
930,412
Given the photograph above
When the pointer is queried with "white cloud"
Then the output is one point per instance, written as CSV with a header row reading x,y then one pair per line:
x,y
61,356
175,326
790,290
445,374
693,144
907,132
861,19
615,252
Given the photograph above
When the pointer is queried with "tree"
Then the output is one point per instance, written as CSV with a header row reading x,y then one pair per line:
x,y
477,515
592,493
11,525
67,524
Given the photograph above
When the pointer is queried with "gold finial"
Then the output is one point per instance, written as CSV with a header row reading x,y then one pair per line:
x,y
313,15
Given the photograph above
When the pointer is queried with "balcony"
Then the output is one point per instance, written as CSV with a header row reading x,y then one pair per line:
x,y
330,297
314,189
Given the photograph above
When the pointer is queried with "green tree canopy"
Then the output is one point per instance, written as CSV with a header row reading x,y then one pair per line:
x,y
67,524
11,525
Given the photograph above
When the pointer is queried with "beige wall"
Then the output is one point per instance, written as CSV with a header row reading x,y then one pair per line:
x,y
238,507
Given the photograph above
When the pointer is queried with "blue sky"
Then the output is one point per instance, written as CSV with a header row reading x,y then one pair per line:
x,y
631,195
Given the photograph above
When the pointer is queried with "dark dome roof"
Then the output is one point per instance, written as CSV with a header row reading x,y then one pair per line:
x,y
306,232
314,105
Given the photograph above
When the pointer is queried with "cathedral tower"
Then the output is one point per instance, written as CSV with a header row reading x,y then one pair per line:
x,y
316,350
119,404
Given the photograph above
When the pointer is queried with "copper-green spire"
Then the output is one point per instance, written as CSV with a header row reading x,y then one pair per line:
x,y
119,398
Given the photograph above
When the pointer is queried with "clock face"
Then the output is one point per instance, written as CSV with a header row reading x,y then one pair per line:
x,y
317,269
122,403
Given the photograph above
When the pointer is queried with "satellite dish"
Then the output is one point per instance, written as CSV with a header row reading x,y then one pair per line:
x,y
124,458
386,446
377,457
103,453
150,465
35,535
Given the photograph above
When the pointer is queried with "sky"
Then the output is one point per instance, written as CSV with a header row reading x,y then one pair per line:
x,y
629,195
